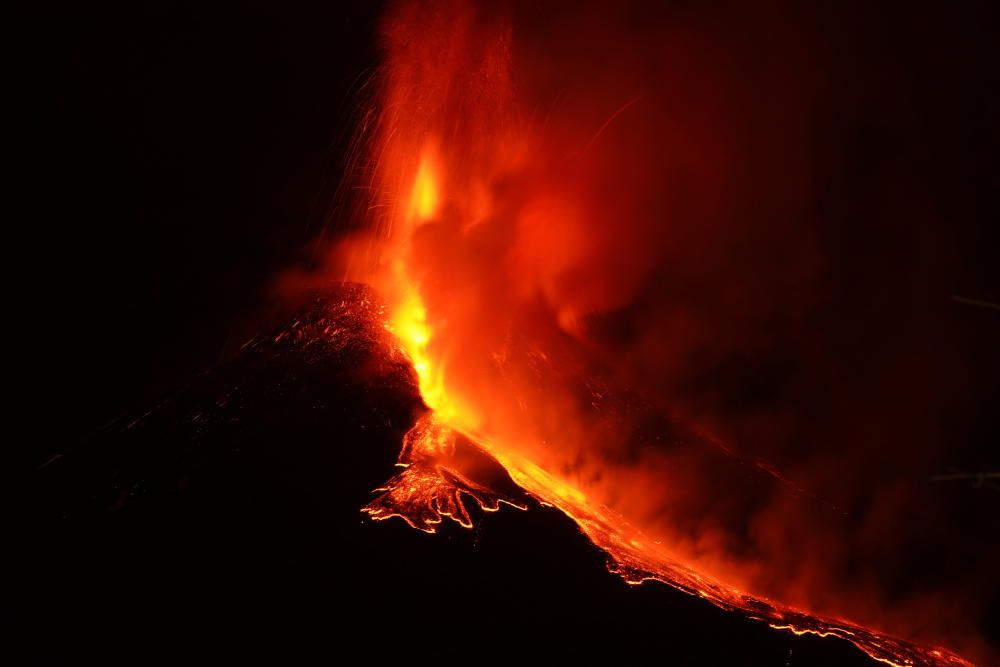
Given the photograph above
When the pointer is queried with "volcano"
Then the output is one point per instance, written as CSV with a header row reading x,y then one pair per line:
x,y
227,517
623,332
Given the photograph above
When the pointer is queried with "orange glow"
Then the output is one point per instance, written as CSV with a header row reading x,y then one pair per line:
x,y
425,197
408,319
488,251
409,324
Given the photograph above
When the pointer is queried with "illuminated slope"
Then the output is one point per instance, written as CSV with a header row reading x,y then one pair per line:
x,y
432,487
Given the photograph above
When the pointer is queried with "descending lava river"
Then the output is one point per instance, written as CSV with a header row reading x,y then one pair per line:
x,y
486,226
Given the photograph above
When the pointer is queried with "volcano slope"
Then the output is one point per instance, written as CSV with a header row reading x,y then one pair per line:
x,y
226,520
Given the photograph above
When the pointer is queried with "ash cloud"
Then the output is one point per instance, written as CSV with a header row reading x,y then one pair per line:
x,y
731,216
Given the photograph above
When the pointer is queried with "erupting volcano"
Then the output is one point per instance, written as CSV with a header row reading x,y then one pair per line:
x,y
566,224
631,332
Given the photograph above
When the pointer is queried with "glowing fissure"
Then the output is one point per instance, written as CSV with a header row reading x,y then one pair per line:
x,y
449,157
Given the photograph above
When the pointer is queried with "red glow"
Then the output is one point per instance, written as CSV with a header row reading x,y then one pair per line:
x,y
508,235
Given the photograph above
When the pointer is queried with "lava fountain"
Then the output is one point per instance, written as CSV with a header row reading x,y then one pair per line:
x,y
541,235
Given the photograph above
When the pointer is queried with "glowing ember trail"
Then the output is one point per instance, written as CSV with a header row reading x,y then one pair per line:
x,y
485,225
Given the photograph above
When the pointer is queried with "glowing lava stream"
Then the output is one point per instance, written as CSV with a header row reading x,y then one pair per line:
x,y
429,489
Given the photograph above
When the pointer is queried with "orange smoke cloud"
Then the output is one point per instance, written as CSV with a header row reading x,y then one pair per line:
x,y
625,245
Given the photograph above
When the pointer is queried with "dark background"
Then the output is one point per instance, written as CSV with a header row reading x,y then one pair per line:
x,y
179,156
182,154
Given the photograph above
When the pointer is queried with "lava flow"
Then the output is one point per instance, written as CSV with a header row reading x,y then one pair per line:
x,y
525,244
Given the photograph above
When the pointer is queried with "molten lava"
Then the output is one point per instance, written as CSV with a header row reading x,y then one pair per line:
x,y
507,241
